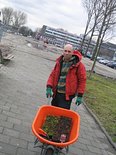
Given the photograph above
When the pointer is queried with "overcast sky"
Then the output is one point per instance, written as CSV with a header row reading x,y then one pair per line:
x,y
67,14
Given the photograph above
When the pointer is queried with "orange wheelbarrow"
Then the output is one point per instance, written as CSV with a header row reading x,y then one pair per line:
x,y
49,147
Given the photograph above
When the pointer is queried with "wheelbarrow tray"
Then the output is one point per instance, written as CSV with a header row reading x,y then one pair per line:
x,y
46,110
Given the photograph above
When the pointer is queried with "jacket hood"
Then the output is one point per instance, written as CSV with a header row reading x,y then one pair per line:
x,y
77,54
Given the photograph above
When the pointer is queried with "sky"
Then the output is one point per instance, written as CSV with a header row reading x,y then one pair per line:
x,y
67,14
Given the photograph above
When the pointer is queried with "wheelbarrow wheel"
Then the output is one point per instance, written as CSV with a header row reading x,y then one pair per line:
x,y
49,151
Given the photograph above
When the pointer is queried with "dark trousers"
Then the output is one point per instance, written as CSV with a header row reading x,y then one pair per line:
x,y
60,101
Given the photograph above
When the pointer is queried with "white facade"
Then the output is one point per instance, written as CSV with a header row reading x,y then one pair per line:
x,y
114,57
59,37
1,17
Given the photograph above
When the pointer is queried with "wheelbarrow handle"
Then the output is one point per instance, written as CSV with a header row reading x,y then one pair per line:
x,y
75,107
49,100
42,132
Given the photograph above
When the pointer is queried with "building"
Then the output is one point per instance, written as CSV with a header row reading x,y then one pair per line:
x,y
1,16
108,51
114,57
59,37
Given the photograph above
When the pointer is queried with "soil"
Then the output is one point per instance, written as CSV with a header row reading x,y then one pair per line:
x,y
57,127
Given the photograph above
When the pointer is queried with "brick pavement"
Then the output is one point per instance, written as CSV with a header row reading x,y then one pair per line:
x,y
22,91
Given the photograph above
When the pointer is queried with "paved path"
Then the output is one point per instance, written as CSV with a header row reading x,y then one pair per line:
x,y
22,91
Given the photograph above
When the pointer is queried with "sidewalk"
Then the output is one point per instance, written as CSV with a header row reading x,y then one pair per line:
x,y
22,91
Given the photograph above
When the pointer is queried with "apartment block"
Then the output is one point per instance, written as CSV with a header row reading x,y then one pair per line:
x,y
59,38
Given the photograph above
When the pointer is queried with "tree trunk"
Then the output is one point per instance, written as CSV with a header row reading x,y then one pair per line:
x,y
90,39
88,21
97,47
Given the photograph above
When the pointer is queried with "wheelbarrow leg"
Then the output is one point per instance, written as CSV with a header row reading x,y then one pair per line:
x,y
67,149
36,141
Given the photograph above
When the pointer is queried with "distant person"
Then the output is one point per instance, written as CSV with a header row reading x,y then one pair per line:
x,y
45,43
67,79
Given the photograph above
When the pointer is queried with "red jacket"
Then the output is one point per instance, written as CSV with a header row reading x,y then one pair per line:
x,y
75,79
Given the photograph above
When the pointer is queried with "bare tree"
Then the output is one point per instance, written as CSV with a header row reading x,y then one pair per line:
x,y
37,33
97,18
107,23
7,13
15,18
23,30
89,5
19,18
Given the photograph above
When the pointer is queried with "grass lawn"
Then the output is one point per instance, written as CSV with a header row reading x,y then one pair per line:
x,y
100,97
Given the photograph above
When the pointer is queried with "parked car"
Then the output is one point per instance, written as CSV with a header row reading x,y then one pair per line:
x,y
103,61
112,64
89,55
99,58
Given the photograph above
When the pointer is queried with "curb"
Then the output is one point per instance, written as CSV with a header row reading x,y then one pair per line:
x,y
100,125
